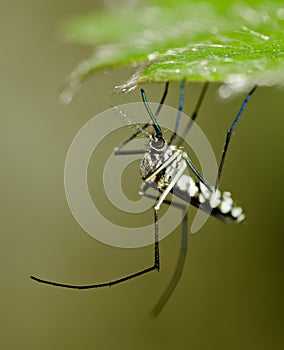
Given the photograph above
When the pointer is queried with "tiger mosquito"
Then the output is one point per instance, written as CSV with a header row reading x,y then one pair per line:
x,y
162,167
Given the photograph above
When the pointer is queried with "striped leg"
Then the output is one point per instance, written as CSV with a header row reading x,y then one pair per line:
x,y
155,266
229,134
181,259
194,114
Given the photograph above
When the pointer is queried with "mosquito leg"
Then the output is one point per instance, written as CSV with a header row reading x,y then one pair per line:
x,y
229,134
163,166
181,259
128,152
170,186
170,160
192,167
144,127
194,114
182,256
155,266
178,270
181,100
162,99
197,173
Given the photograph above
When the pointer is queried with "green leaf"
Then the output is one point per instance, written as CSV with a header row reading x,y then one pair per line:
x,y
171,40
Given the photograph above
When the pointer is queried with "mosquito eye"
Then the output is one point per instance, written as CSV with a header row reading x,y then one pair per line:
x,y
157,144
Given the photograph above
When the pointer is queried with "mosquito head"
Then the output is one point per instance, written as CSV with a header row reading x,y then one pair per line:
x,y
157,144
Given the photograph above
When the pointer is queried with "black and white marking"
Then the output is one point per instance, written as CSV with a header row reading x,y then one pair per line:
x,y
163,166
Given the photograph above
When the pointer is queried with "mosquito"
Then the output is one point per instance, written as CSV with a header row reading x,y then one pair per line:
x,y
163,167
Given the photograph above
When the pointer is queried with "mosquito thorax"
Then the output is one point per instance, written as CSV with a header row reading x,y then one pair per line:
x,y
153,156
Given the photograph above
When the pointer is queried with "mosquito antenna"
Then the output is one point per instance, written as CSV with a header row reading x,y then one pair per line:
x,y
156,126
144,127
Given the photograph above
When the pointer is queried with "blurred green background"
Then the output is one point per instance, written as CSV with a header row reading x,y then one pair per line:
x,y
231,295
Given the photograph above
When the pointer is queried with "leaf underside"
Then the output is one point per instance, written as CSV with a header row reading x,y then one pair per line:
x,y
175,40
